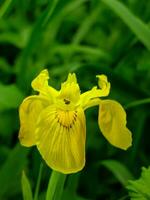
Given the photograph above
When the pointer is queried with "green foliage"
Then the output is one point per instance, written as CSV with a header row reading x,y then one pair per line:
x,y
139,189
55,187
10,97
119,170
5,7
10,172
141,30
26,187
71,191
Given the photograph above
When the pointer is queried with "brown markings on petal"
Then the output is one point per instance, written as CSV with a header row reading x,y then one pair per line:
x,y
66,119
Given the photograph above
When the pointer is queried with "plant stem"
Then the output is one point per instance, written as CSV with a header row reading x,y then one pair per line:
x,y
55,186
38,182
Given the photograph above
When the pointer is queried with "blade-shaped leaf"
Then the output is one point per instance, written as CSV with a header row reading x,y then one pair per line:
x,y
138,27
119,170
26,187
10,171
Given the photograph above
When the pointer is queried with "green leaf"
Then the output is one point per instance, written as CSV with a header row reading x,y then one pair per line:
x,y
70,192
144,62
10,96
64,49
140,189
86,25
8,123
5,7
35,36
4,66
119,170
26,187
10,172
139,28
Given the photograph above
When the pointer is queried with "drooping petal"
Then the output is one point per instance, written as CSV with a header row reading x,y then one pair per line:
x,y
61,139
112,122
88,97
28,112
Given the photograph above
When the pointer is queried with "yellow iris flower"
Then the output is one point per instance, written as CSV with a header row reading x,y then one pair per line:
x,y
55,122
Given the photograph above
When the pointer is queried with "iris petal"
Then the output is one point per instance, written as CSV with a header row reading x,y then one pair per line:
x,y
112,122
28,112
41,81
40,84
86,99
70,89
61,139
103,84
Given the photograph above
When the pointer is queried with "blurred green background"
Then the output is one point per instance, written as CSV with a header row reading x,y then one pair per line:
x,y
88,37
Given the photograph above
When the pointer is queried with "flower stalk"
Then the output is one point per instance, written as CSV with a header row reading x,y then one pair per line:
x,y
38,182
55,186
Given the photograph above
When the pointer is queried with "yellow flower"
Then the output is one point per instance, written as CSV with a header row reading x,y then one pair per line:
x,y
54,121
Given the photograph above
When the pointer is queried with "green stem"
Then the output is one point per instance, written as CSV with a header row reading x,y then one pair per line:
x,y
38,182
138,103
55,186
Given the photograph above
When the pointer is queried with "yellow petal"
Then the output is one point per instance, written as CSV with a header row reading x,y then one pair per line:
x,y
70,90
41,81
71,79
87,98
103,84
112,122
61,139
28,112
40,84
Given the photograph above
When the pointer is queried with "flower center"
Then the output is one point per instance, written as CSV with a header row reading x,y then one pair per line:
x,y
66,101
66,118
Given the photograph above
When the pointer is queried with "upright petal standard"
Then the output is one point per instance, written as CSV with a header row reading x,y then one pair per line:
x,y
55,122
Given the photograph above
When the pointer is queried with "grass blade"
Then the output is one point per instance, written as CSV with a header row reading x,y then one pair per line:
x,y
73,48
26,188
138,103
34,38
86,25
138,27
38,182
119,170
10,172
5,7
